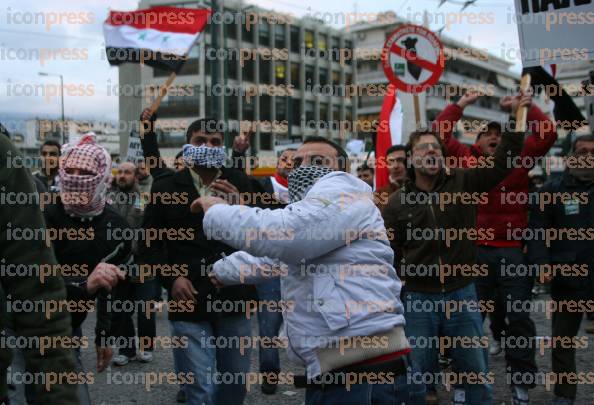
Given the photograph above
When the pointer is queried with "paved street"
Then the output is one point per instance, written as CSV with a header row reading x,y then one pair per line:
x,y
110,394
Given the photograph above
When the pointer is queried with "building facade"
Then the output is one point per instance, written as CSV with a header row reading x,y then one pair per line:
x,y
465,67
279,75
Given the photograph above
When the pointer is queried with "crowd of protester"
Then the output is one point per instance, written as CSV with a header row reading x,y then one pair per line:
x,y
329,259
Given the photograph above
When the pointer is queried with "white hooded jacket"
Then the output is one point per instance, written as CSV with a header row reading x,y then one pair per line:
x,y
334,258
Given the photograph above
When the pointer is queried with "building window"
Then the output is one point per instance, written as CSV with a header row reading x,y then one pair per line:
x,y
348,79
264,34
310,116
295,82
309,77
323,76
231,65
336,112
247,36
281,108
279,37
348,45
296,111
308,38
265,141
323,45
280,73
335,48
265,66
232,108
265,107
323,123
295,40
231,29
248,109
248,71
336,82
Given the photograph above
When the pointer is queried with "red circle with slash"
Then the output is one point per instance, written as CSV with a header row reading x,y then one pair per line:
x,y
413,58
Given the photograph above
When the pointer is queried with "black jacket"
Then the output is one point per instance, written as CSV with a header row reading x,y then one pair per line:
x,y
188,246
88,244
576,215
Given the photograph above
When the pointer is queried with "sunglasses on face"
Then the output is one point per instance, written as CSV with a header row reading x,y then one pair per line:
x,y
425,146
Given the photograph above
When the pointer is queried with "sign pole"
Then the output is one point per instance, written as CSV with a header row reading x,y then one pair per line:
x,y
417,110
522,112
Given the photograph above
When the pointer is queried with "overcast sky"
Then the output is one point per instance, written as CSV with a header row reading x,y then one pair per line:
x,y
20,91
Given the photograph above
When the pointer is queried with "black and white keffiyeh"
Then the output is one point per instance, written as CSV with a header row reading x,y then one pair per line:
x,y
204,156
302,179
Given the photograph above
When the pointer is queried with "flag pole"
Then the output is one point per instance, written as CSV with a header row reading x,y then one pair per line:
x,y
522,112
162,92
157,101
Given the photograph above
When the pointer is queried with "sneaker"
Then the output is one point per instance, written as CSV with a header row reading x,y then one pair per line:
x,y
520,396
562,401
590,328
444,361
267,387
145,357
181,396
122,360
459,397
495,347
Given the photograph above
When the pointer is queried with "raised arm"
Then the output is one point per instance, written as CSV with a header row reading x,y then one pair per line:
x,y
243,268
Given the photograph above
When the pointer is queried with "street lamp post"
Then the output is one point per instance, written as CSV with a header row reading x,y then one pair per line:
x,y
62,130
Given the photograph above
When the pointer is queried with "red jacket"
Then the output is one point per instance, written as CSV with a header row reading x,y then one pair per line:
x,y
496,215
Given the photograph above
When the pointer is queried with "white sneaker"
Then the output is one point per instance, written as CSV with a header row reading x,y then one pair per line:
x,y
145,357
122,360
495,347
459,396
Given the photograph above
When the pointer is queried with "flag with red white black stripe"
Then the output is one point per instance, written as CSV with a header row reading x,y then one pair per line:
x,y
160,37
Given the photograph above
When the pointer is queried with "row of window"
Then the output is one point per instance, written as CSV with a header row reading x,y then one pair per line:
x,y
175,105
270,73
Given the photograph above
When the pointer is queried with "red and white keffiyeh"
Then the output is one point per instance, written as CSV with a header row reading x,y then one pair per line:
x,y
84,195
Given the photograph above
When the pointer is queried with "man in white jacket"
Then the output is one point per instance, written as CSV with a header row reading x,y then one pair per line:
x,y
344,318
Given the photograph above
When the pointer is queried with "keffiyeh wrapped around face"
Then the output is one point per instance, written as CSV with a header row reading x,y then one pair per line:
x,y
204,156
84,195
302,179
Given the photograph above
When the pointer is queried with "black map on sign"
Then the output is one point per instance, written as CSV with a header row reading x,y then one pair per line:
x,y
410,44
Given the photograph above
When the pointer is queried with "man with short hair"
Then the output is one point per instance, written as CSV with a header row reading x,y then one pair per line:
x,y
212,318
50,161
503,212
422,220
143,176
336,255
137,291
365,173
396,163
572,288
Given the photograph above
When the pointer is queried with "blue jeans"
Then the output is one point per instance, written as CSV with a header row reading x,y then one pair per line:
x,y
123,327
426,318
210,365
269,324
401,391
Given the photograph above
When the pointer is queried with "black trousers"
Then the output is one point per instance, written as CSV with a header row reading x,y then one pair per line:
x,y
565,324
504,287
